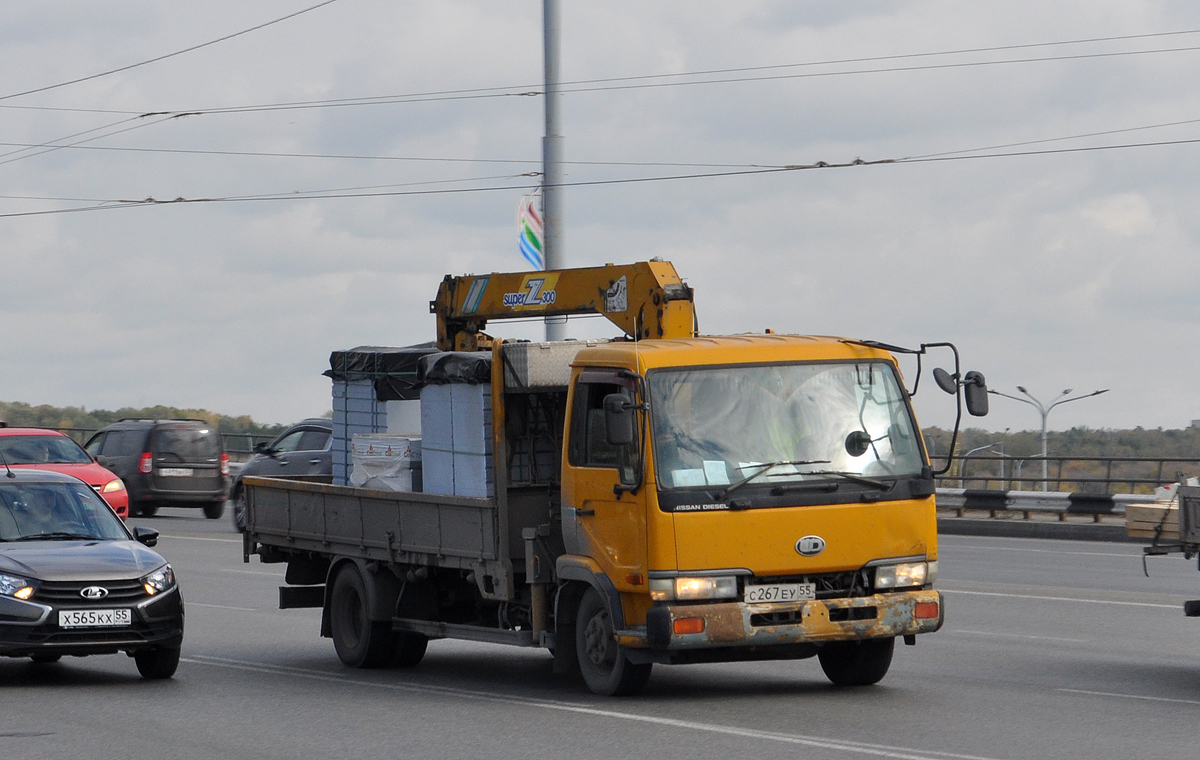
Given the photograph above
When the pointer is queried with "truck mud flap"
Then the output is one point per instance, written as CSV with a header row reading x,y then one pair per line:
x,y
298,597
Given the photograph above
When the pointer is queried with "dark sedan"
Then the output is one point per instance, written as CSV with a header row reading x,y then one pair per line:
x,y
75,581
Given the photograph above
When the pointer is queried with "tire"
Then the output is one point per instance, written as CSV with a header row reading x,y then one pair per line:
x,y
213,510
155,664
602,661
45,659
407,649
360,642
857,663
237,511
146,509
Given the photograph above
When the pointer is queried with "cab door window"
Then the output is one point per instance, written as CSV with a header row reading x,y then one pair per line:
x,y
589,446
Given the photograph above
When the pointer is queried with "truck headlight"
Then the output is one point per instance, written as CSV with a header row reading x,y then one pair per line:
x,y
159,581
693,589
12,585
902,575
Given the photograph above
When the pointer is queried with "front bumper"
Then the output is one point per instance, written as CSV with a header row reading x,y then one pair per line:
x,y
28,628
738,624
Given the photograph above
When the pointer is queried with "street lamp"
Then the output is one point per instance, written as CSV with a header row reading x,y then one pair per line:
x,y
1044,410
966,457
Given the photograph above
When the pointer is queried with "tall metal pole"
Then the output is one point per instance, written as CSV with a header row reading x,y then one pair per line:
x,y
552,179
1044,411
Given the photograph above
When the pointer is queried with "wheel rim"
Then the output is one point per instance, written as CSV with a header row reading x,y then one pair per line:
x,y
599,646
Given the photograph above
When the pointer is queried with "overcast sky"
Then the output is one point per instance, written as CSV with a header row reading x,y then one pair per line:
x,y
1062,270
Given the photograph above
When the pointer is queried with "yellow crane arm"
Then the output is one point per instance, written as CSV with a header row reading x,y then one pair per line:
x,y
646,300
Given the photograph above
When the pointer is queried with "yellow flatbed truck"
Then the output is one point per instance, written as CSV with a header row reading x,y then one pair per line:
x,y
707,499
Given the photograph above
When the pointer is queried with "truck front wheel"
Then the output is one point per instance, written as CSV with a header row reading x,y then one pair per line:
x,y
602,661
857,663
360,642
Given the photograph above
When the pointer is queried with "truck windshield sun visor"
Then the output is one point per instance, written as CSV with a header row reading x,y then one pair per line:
x,y
767,429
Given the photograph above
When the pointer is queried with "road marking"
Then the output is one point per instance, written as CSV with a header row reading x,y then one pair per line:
x,y
221,607
252,572
1130,696
843,745
1042,551
1021,636
1064,599
199,538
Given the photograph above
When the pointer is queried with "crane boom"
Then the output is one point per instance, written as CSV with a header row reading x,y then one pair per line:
x,y
646,299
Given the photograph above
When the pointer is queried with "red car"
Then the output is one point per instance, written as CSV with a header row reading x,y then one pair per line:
x,y
39,449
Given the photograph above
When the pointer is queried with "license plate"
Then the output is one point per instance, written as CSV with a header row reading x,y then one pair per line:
x,y
781,592
175,472
93,618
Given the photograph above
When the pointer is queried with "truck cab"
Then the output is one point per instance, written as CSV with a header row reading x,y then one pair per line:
x,y
774,500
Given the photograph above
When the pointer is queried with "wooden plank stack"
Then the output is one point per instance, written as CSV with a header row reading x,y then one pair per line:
x,y
1143,520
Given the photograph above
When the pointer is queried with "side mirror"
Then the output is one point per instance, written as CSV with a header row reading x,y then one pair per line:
x,y
975,393
144,535
945,380
857,443
101,460
264,448
619,427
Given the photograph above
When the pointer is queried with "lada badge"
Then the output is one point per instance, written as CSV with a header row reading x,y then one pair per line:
x,y
810,546
94,592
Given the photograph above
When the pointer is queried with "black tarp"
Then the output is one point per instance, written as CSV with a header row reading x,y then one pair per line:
x,y
473,368
393,370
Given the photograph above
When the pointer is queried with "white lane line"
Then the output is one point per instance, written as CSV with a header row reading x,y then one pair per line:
x,y
843,745
220,606
199,538
1042,551
1130,696
252,572
1064,599
1020,636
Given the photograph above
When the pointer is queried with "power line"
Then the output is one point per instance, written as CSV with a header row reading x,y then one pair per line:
x,y
168,55
640,81
327,195
360,157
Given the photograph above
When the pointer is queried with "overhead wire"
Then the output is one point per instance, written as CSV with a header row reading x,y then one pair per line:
x,y
156,59
640,81
325,195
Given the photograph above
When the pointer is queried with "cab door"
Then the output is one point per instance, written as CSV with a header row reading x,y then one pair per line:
x,y
601,518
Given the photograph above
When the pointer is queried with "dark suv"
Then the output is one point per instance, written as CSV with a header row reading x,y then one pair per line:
x,y
302,452
176,463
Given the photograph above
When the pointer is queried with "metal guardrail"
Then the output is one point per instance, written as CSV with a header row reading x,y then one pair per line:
x,y
1061,503
1100,475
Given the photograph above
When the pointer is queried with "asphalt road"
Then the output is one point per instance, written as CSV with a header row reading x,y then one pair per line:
x,y
1051,649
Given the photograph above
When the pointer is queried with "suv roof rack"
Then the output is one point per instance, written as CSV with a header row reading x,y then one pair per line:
x,y
153,419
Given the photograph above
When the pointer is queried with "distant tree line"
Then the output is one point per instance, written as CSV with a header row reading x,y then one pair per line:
x,y
76,418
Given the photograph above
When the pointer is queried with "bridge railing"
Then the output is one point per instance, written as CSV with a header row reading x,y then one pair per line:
x,y
1093,475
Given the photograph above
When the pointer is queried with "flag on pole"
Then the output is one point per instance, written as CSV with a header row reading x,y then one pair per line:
x,y
529,230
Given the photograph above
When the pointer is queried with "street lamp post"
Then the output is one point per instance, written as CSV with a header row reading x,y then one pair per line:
x,y
966,457
1044,410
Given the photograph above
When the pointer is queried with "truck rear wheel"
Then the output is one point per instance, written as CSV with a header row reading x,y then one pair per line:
x,y
407,649
602,661
857,663
359,641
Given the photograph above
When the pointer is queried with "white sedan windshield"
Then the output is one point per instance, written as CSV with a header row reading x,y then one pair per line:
x,y
716,426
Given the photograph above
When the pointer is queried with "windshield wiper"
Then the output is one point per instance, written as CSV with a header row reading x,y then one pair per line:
x,y
56,536
763,468
854,477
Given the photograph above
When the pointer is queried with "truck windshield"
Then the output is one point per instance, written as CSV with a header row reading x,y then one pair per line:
x,y
715,426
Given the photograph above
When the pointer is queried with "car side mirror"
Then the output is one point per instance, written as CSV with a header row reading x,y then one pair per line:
x,y
144,535
975,394
619,427
264,448
101,460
